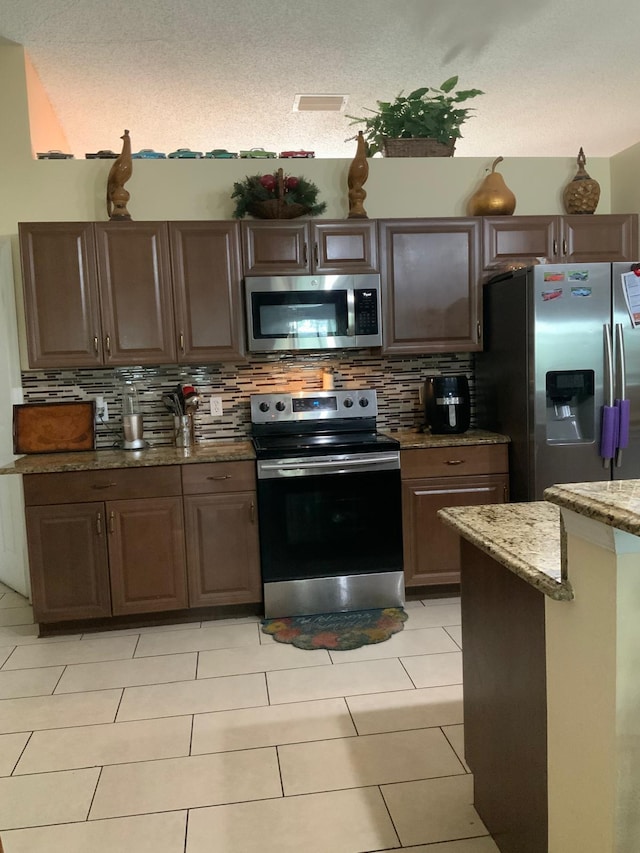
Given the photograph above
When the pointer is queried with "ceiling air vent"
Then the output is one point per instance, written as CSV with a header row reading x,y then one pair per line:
x,y
320,103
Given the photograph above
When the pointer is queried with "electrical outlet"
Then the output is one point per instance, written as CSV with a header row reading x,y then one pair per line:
x,y
216,406
102,412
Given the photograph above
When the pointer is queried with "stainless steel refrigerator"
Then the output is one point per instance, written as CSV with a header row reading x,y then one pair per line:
x,y
560,373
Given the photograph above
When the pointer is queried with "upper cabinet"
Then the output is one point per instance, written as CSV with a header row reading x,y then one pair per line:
x,y
430,285
559,239
62,305
135,292
205,262
125,293
299,247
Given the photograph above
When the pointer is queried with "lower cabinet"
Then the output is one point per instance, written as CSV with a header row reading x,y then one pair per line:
x,y
434,478
223,556
93,557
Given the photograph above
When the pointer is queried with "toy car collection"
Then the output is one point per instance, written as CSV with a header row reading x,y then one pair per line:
x,y
54,155
185,154
148,154
257,154
221,154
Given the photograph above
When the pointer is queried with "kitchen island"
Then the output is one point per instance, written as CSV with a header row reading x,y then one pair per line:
x,y
551,652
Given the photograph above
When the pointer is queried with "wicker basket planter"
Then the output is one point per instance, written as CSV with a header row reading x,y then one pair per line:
x,y
276,208
417,147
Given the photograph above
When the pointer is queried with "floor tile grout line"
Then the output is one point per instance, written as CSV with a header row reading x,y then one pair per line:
x,y
22,752
455,750
388,810
95,791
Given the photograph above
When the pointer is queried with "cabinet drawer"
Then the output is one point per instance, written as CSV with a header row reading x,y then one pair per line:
x,y
454,461
214,477
103,485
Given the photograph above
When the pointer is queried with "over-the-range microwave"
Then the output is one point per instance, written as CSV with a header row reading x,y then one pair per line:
x,y
313,312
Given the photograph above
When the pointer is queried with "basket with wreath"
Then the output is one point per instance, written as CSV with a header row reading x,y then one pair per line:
x,y
276,196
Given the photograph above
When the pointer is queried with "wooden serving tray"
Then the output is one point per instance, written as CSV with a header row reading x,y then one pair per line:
x,y
53,427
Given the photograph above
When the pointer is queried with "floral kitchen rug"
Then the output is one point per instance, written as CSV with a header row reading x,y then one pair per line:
x,y
337,631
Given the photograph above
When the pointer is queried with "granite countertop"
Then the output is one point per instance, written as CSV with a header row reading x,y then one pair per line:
x,y
416,439
524,537
612,502
211,451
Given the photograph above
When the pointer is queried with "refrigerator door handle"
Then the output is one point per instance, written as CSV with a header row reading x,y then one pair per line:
x,y
622,404
609,430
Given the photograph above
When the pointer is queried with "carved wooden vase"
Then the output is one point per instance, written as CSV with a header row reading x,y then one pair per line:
x,y
581,195
358,174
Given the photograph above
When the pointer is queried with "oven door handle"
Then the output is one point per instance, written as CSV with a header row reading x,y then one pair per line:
x,y
327,466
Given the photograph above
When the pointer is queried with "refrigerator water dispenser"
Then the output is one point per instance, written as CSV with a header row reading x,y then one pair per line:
x,y
570,406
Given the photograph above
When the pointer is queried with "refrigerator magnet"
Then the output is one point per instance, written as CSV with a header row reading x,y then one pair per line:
x,y
554,276
581,291
578,275
548,295
631,290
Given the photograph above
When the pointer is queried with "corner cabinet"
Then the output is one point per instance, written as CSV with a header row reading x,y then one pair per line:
x,y
430,285
299,247
560,239
434,478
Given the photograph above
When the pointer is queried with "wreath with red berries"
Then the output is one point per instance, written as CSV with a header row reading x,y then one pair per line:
x,y
276,196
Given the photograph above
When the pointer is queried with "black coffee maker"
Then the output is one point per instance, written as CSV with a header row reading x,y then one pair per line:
x,y
447,407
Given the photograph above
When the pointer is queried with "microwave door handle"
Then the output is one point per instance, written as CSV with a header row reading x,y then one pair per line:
x,y
351,313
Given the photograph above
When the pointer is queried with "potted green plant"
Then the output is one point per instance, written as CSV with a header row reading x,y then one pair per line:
x,y
425,123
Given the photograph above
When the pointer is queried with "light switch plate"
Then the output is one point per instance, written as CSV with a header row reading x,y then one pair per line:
x,y
216,406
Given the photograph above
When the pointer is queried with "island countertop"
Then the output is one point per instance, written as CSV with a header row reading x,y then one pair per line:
x,y
615,503
523,537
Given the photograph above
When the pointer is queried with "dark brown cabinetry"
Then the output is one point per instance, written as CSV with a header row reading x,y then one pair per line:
x,y
135,292
560,239
430,285
223,558
205,263
60,284
105,542
106,293
296,248
443,477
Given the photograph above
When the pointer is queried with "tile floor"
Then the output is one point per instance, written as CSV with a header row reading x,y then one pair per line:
x,y
212,737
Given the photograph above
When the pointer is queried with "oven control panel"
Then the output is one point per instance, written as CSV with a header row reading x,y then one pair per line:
x,y
313,405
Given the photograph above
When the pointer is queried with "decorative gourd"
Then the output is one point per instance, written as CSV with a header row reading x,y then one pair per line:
x,y
493,197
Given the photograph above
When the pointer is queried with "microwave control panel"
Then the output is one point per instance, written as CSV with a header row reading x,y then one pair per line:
x,y
366,308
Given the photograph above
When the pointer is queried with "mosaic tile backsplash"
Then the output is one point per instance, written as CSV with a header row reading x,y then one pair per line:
x,y
396,379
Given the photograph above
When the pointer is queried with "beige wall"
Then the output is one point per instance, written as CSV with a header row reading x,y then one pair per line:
x,y
625,180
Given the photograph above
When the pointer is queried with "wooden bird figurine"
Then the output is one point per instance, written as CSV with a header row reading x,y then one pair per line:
x,y
119,174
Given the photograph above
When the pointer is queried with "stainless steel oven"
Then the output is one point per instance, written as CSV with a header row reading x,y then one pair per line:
x,y
329,503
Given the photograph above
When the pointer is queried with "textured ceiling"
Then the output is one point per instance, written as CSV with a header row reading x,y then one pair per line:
x,y
206,74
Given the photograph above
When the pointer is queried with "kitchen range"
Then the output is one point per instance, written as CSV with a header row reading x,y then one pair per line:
x,y
329,503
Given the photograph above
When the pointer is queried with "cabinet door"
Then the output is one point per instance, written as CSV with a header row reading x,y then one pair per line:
x,y
68,561
430,285
205,262
61,294
589,239
343,247
275,248
135,292
146,555
431,549
222,549
517,238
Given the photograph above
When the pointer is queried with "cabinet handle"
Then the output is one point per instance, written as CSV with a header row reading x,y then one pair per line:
x,y
479,329
95,344
455,461
316,254
505,493
564,247
181,344
305,256
220,477
555,246
107,343
112,522
99,524
103,485
252,512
